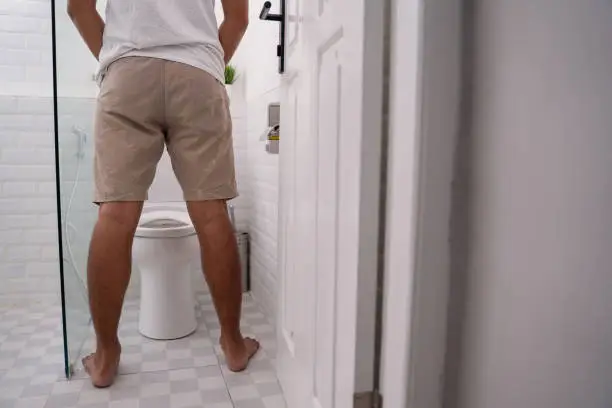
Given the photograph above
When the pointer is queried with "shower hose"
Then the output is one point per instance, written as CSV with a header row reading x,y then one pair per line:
x,y
82,140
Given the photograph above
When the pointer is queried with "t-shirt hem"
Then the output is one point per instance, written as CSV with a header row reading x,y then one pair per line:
x,y
102,70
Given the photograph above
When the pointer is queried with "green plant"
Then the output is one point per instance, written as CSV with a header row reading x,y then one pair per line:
x,y
230,74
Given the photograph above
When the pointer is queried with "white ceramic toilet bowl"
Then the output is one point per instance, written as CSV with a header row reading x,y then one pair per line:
x,y
165,249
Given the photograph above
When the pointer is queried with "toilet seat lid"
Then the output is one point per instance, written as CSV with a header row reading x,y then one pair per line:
x,y
164,224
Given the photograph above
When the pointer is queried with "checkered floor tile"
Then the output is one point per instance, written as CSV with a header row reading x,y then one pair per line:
x,y
185,373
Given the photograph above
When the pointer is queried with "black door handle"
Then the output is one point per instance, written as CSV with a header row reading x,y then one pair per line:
x,y
265,13
267,16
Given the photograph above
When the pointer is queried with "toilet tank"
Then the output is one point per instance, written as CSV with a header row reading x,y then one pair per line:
x,y
165,187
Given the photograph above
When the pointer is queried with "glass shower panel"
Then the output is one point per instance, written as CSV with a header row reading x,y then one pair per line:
x,y
75,96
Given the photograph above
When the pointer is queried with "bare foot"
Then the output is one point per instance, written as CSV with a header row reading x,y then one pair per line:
x,y
102,367
238,355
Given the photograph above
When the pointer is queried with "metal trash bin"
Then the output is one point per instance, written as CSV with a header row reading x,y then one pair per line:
x,y
243,249
242,238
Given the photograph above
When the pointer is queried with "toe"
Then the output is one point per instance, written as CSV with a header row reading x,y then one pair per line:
x,y
87,362
252,346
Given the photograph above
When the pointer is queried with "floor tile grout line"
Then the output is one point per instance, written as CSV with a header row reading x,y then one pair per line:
x,y
227,387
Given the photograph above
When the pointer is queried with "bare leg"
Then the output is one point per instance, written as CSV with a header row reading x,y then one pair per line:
x,y
108,275
222,270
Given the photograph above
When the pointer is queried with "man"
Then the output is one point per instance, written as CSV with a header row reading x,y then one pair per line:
x,y
161,84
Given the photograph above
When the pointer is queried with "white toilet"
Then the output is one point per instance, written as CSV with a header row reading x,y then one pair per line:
x,y
165,251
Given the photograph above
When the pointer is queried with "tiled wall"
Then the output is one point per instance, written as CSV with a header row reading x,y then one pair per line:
x,y
28,221
263,225
25,47
258,54
28,212
242,203
28,233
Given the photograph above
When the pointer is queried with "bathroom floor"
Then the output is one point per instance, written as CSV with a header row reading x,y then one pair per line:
x,y
186,373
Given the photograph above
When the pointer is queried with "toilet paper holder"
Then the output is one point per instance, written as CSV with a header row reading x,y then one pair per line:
x,y
272,133
273,142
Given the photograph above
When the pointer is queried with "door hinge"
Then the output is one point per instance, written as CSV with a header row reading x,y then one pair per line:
x,y
370,399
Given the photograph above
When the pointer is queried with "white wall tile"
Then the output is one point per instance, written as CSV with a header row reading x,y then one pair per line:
x,y
28,219
256,57
25,47
18,188
263,223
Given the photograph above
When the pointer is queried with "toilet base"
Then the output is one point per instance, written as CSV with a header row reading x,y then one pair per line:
x,y
176,338
167,305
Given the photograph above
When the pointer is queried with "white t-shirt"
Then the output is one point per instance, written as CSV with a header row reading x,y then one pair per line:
x,y
177,30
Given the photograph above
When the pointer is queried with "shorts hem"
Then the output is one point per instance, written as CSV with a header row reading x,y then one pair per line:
x,y
192,196
204,196
118,199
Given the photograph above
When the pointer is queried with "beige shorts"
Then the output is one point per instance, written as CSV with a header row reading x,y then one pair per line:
x,y
146,104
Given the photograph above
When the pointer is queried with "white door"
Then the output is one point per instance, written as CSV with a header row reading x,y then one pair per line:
x,y
329,199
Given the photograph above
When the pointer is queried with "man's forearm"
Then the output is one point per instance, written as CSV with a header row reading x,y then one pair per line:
x,y
231,32
88,22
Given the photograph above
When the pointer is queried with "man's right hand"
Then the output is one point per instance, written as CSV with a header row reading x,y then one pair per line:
x,y
234,25
88,21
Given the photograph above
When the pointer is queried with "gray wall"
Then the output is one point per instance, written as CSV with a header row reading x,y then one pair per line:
x,y
534,210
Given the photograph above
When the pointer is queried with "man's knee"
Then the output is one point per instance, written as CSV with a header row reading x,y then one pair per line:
x,y
125,214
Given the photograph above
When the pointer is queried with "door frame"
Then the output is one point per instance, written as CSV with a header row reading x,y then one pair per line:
x,y
425,120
